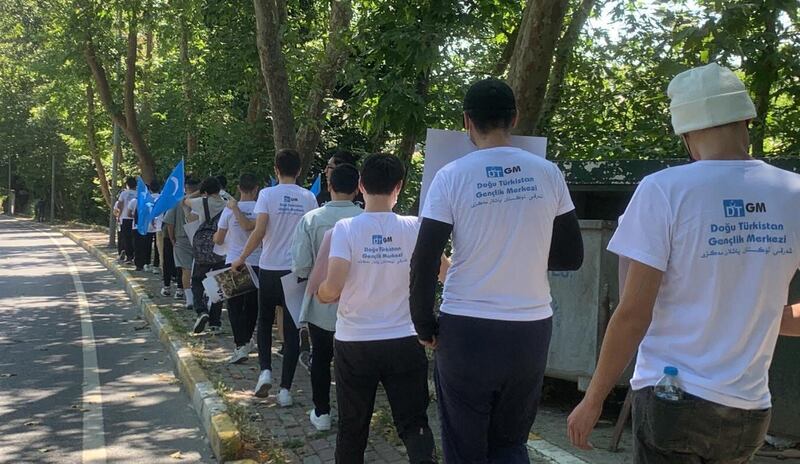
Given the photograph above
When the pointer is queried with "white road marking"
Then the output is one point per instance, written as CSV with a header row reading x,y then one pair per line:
x,y
551,451
94,441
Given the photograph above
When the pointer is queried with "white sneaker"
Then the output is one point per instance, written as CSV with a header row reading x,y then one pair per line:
x,y
154,270
179,294
239,354
284,398
165,291
253,345
146,268
264,384
321,423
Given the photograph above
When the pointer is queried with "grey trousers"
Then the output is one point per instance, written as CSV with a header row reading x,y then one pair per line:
x,y
694,431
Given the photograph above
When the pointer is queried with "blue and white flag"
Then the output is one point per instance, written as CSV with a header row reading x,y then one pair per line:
x,y
172,193
144,207
316,187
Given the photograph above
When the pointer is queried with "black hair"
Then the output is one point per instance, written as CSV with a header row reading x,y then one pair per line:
x,y
210,186
248,182
130,182
381,173
344,179
223,181
288,163
155,186
343,157
488,122
192,184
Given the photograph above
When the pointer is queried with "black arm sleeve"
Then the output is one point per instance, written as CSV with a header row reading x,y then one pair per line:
x,y
566,249
425,264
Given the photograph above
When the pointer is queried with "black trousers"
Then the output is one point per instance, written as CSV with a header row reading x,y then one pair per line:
x,y
694,431
321,359
126,238
270,295
143,248
168,269
243,314
489,378
199,295
401,366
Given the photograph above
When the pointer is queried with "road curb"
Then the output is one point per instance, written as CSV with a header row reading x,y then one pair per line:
x,y
222,433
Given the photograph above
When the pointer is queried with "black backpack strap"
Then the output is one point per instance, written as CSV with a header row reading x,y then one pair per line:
x,y
206,210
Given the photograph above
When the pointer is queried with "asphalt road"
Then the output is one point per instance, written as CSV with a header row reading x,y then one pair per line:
x,y
82,379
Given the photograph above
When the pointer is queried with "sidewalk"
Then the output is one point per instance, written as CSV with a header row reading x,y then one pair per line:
x,y
284,435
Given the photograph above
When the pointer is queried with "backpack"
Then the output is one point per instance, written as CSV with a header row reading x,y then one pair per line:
x,y
203,242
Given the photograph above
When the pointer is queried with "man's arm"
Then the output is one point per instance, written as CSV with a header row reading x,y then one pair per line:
x,y
425,270
244,222
219,236
254,241
171,233
626,329
790,323
566,248
331,288
302,251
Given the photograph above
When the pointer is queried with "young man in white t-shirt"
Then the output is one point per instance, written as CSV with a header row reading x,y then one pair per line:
x,y
713,246
234,227
511,218
279,209
121,210
368,273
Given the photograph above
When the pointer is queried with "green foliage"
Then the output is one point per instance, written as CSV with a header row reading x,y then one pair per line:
x,y
408,66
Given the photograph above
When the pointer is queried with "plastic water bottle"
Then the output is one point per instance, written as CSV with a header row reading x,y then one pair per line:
x,y
669,388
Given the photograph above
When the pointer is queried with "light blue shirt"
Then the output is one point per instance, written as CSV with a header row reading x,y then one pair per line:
x,y
307,239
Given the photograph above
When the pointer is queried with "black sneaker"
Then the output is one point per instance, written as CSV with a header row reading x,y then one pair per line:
x,y
200,323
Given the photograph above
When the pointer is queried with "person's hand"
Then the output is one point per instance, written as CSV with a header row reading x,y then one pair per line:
x,y
233,204
237,265
581,423
433,343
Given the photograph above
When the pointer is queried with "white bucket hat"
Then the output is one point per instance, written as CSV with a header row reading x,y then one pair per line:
x,y
708,96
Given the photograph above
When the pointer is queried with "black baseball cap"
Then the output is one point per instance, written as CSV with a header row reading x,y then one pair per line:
x,y
489,97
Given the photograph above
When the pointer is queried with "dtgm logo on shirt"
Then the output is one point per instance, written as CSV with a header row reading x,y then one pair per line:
x,y
380,239
494,172
738,208
288,199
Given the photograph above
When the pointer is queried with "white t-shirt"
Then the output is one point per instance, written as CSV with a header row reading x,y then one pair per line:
x,y
724,233
501,203
236,237
374,300
125,198
285,204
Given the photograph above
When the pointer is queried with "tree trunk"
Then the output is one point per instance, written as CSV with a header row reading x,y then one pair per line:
x,y
125,120
92,140
310,132
147,164
188,91
533,58
255,107
508,51
561,64
269,21
765,73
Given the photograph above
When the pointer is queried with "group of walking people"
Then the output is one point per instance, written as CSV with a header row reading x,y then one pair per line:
x,y
710,306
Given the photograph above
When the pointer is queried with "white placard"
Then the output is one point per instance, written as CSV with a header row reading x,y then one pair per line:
x,y
443,146
293,293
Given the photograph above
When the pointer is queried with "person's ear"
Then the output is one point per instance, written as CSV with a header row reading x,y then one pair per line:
x,y
467,122
361,188
515,120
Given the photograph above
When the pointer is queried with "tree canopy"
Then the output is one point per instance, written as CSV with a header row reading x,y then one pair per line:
x,y
225,83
